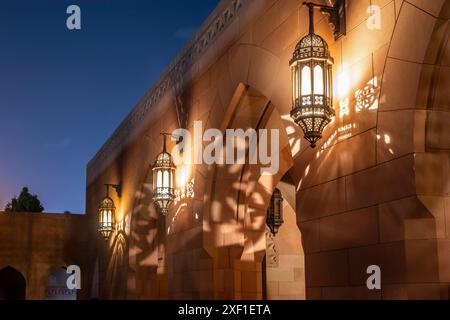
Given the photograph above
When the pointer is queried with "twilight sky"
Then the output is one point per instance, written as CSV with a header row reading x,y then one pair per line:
x,y
62,93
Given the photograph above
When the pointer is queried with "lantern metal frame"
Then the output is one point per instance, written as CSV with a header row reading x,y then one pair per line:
x,y
107,212
274,218
312,75
164,179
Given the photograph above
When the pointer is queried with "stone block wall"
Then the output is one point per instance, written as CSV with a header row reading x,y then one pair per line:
x,y
374,191
36,245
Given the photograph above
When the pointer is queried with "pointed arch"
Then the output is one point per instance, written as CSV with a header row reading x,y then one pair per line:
x,y
12,284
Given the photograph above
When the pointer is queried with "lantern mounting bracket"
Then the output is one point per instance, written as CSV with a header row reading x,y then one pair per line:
x,y
336,16
116,187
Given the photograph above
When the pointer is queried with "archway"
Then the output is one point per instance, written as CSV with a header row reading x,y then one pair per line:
x,y
115,288
284,263
147,272
12,284
239,198
357,192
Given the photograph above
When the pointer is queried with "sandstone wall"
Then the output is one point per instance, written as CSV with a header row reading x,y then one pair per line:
x,y
374,191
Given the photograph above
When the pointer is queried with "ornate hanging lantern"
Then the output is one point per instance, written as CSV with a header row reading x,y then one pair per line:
x,y
312,85
275,213
163,180
106,213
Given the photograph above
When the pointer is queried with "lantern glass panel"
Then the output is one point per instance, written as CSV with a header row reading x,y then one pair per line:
x,y
159,179
166,180
306,81
318,80
295,81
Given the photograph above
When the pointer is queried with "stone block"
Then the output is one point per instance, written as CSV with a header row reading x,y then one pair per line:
x,y
438,133
389,257
412,31
431,173
320,201
351,229
385,182
400,84
327,269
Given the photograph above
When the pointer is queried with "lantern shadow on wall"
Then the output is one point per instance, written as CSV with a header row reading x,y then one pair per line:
x,y
367,97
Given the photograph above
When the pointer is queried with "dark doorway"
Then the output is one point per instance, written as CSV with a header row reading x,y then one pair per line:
x,y
12,284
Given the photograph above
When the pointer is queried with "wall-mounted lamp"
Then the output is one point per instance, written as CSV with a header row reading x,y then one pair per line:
x,y
106,212
312,78
163,179
275,212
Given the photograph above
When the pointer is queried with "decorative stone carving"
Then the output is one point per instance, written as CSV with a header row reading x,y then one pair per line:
x,y
271,250
195,48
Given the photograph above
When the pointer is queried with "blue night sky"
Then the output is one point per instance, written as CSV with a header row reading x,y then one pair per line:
x,y
62,93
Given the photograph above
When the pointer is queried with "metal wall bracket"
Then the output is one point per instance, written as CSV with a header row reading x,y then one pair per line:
x,y
336,16
116,187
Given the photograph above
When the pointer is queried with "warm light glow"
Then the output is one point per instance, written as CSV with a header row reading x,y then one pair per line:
x,y
166,183
344,109
306,80
294,84
318,80
106,217
184,183
307,170
163,184
313,110
367,97
345,132
183,175
159,178
343,85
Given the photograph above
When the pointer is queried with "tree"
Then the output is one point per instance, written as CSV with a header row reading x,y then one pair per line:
x,y
25,202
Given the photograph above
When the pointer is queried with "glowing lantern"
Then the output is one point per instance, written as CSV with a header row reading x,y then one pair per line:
x,y
106,214
312,87
163,180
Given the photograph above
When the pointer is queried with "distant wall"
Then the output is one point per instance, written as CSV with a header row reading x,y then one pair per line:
x,y
37,244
